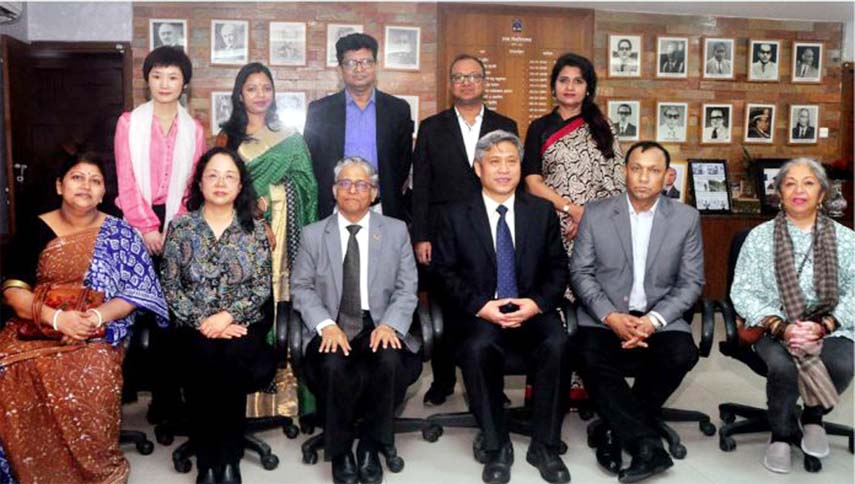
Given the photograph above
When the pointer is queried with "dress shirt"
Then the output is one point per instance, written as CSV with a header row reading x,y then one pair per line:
x,y
493,216
470,133
362,240
360,129
641,226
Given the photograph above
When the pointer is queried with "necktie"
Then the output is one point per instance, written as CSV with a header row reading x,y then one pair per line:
x,y
715,133
506,275
801,133
350,310
804,70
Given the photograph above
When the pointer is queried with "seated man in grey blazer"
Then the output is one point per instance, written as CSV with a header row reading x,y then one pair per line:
x,y
637,266
354,284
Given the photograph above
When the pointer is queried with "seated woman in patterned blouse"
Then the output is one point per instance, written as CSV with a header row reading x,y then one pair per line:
x,y
794,280
216,278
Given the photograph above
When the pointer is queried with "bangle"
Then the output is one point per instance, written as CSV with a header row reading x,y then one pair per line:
x,y
55,316
100,318
15,284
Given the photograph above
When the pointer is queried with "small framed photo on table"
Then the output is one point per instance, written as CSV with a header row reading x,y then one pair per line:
x,y
624,56
766,175
710,185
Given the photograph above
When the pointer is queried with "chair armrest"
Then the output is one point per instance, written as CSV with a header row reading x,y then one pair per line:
x,y
707,326
280,332
731,336
570,321
426,324
295,340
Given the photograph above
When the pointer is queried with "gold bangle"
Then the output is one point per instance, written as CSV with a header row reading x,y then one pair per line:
x,y
15,284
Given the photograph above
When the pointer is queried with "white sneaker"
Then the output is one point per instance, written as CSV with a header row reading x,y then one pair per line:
x,y
778,458
814,441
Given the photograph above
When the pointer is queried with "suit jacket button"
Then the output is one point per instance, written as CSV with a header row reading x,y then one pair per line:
x,y
625,298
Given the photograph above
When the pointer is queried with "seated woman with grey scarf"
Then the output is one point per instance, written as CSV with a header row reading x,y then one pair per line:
x,y
794,278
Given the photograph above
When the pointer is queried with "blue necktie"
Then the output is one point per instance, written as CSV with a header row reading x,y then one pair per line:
x,y
506,274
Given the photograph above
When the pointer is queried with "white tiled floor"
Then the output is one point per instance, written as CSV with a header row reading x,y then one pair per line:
x,y
449,460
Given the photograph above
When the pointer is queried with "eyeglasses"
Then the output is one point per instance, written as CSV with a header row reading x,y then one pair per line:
x,y
474,78
361,185
352,64
624,113
716,117
673,116
229,178
624,48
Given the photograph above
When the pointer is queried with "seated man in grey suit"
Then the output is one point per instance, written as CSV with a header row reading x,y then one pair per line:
x,y
637,266
354,284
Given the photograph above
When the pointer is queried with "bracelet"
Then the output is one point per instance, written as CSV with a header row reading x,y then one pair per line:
x,y
100,318
55,316
15,284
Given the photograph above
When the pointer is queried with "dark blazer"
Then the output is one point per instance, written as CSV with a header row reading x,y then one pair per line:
x,y
629,131
465,257
809,133
441,171
324,134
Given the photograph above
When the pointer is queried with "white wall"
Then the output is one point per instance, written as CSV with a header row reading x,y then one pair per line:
x,y
80,21
848,54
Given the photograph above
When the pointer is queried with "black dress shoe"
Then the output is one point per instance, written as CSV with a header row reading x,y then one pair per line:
x,y
206,476
647,463
344,469
436,396
497,470
368,464
231,474
550,465
609,451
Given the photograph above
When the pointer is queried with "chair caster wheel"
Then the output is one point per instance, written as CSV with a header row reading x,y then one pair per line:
x,y
291,431
269,462
586,415
432,433
707,428
162,437
182,466
727,417
145,447
562,448
395,464
307,424
310,457
677,451
726,444
812,464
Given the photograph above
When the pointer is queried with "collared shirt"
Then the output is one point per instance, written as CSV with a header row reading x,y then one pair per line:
x,y
493,216
362,240
641,226
360,128
470,133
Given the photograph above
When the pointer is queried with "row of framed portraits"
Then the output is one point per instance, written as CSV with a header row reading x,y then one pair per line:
x,y
230,42
764,58
716,122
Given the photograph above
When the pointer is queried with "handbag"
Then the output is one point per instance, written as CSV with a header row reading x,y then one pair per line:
x,y
59,297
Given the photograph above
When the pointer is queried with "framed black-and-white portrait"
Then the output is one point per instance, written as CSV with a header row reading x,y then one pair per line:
x,y
229,42
763,59
716,123
767,170
624,55
221,109
807,61
671,121
291,108
167,31
710,185
718,58
287,43
626,116
335,32
401,48
671,57
675,181
760,123
804,123
413,101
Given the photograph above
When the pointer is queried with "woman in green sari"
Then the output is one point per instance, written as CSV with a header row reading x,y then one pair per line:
x,y
281,173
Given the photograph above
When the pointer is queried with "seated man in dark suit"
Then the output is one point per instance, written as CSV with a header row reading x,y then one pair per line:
x,y
637,266
360,357
503,267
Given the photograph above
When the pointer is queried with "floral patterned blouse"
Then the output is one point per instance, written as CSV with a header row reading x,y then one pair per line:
x,y
202,275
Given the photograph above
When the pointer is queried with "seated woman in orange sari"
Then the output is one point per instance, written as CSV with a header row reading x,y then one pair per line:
x,y
75,279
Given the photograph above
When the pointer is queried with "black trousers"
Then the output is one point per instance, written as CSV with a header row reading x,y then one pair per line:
x,y
219,374
364,387
658,371
442,360
541,343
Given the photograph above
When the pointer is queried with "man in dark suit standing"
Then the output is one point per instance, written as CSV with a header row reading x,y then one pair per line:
x,y
361,121
637,267
503,266
443,173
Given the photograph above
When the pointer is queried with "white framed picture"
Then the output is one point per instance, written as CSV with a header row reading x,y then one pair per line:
x,y
807,62
167,31
671,57
402,47
675,181
287,43
221,109
760,123
291,109
718,58
229,42
413,101
763,59
335,32
716,123
626,116
671,121
624,55
804,123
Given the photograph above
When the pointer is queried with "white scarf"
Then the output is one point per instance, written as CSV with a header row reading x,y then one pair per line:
x,y
182,157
